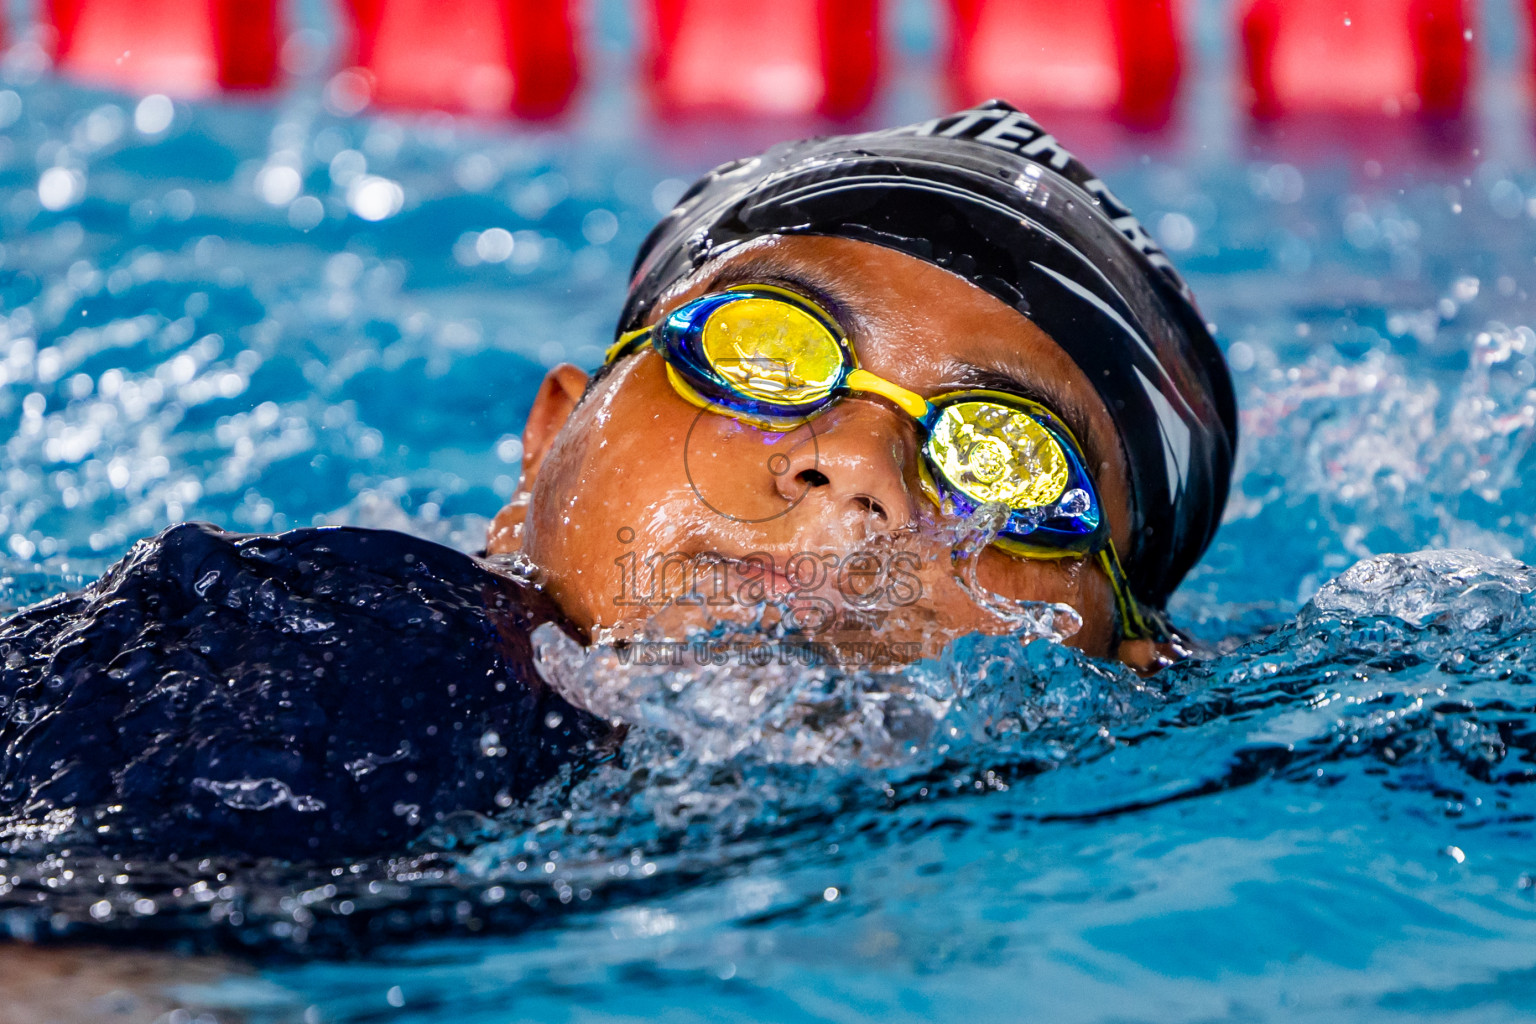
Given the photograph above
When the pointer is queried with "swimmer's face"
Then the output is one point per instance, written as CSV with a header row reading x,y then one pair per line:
x,y
632,488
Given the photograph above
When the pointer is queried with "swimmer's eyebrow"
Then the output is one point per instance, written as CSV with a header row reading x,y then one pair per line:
x,y
768,268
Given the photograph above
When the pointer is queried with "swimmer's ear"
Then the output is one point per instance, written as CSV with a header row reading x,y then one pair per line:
x,y
557,398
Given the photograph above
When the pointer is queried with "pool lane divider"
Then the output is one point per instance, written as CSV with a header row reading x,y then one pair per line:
x,y
773,57
167,46
1122,57
794,57
514,57
1389,57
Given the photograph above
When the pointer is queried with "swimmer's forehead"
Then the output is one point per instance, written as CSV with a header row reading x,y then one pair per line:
x,y
988,363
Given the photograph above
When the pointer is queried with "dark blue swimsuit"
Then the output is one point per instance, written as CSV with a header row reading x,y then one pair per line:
x,y
321,693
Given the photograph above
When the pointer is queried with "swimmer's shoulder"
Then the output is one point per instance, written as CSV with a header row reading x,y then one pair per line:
x,y
285,694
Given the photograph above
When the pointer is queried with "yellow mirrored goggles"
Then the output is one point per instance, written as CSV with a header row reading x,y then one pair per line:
x,y
771,357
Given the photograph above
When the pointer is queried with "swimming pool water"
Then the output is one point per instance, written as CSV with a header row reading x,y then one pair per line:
x,y
269,315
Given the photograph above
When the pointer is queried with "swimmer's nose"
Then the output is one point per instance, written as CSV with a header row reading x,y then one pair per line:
x,y
852,461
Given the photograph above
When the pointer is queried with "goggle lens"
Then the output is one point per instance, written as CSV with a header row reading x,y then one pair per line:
x,y
772,352
992,453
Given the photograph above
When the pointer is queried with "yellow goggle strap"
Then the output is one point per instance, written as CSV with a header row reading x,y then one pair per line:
x,y
627,342
909,402
1135,622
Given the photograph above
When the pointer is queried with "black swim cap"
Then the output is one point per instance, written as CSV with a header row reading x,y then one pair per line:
x,y
991,196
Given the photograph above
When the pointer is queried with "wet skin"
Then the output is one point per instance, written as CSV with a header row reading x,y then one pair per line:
x,y
633,468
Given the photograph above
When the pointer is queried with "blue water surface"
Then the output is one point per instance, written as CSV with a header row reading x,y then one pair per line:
x,y
274,313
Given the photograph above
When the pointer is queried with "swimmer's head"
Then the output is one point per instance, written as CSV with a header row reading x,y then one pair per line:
x,y
992,296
